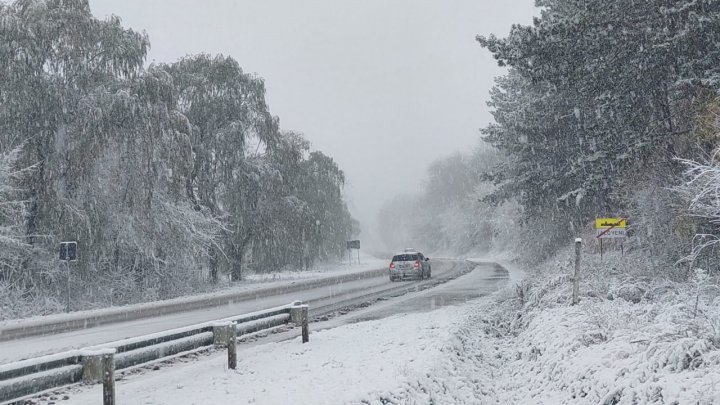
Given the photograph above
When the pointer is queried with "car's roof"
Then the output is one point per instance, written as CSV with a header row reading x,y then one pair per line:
x,y
414,252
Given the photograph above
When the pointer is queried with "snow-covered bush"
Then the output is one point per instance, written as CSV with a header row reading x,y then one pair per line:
x,y
631,339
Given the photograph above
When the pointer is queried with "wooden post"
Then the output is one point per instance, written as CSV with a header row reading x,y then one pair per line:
x,y
225,334
305,330
232,348
108,370
99,366
296,313
221,333
576,279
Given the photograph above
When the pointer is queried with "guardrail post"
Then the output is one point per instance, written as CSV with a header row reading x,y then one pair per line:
x,y
99,365
304,322
221,333
299,316
108,368
232,348
296,312
225,334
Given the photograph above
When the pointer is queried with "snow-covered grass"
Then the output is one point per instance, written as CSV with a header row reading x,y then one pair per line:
x,y
636,337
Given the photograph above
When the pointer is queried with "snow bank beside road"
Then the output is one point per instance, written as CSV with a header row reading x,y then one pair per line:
x,y
632,339
609,353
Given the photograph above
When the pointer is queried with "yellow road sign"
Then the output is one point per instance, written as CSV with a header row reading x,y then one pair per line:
x,y
605,223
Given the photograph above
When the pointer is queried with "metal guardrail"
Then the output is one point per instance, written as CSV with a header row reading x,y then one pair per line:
x,y
28,377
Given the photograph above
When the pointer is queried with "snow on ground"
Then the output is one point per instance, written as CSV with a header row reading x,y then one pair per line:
x,y
515,272
365,362
355,363
608,352
631,340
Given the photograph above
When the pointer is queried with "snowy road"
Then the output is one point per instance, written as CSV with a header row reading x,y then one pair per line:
x,y
485,279
36,346
387,355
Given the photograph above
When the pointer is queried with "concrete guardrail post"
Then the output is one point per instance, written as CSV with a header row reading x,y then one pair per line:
x,y
99,365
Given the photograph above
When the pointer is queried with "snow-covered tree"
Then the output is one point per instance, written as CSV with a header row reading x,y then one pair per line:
x,y
599,93
162,174
12,239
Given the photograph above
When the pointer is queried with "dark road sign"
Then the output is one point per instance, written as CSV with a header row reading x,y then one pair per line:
x,y
68,251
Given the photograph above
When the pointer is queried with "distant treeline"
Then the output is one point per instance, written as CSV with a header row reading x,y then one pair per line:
x,y
169,177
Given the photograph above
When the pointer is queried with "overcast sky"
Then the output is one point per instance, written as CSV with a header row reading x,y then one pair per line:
x,y
382,86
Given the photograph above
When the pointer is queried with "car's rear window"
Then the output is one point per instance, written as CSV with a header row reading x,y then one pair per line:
x,y
405,258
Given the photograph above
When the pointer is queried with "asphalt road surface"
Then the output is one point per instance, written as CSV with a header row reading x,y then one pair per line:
x,y
485,278
19,349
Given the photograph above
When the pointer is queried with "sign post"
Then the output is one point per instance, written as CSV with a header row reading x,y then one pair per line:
x,y
353,244
68,253
610,228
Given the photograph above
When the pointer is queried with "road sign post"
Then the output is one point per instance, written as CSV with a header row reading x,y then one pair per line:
x,y
68,253
611,228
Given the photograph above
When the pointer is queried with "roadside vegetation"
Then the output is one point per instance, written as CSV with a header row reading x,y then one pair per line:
x,y
608,109
172,178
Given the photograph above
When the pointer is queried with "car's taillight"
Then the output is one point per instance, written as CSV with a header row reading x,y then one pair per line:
x,y
392,265
417,264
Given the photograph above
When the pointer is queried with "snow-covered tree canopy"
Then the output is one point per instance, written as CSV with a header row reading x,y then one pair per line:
x,y
600,97
167,176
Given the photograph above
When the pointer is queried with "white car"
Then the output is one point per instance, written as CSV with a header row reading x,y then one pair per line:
x,y
410,264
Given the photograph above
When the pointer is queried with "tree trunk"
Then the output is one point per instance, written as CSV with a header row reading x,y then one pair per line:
x,y
238,255
214,264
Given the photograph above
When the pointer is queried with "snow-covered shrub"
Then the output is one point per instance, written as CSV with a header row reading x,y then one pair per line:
x,y
632,339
